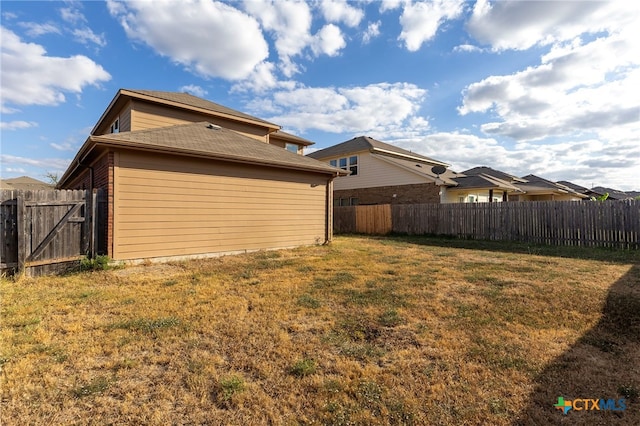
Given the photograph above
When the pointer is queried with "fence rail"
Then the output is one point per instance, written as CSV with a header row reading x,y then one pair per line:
x,y
613,224
44,230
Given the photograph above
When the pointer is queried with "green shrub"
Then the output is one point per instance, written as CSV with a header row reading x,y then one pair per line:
x,y
304,367
230,386
99,263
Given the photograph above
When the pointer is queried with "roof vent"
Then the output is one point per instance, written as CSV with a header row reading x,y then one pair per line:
x,y
213,127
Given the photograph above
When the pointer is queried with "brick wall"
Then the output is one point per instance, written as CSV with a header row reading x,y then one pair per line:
x,y
102,179
404,194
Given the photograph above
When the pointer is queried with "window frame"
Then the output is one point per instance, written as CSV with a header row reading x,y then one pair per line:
x,y
115,126
350,164
290,146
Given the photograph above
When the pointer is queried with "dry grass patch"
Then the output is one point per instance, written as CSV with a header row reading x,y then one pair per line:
x,y
364,331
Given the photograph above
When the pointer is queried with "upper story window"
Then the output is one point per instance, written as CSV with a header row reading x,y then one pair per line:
x,y
347,163
115,127
291,147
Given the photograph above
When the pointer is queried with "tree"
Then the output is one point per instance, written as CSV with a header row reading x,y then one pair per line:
x,y
52,177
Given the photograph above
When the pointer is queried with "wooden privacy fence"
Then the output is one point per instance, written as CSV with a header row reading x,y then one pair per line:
x,y
589,224
44,230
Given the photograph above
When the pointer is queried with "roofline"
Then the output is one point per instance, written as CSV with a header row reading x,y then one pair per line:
x,y
94,142
82,153
103,141
133,94
437,180
421,159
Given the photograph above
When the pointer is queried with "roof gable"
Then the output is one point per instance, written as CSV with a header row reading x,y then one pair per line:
x,y
365,143
183,101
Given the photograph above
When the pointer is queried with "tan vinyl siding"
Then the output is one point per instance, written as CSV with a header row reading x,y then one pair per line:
x,y
149,116
179,207
125,120
373,172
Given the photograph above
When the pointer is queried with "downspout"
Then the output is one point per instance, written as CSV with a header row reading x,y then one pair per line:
x,y
328,233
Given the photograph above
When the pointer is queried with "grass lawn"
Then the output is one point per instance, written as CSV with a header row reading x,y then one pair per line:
x,y
372,331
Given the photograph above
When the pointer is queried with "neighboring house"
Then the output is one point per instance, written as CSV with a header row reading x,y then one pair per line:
x,y
24,183
486,184
481,185
539,189
185,177
615,194
383,174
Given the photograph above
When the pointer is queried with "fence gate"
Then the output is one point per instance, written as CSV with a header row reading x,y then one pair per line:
x,y
44,230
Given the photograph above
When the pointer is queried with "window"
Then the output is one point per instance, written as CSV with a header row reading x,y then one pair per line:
x,y
291,147
353,165
353,201
115,127
347,163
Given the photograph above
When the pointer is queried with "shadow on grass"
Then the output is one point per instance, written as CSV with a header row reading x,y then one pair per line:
x,y
603,364
586,253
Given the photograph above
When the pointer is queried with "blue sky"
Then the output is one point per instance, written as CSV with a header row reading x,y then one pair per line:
x,y
543,87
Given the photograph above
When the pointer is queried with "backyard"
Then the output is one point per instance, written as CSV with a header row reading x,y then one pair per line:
x,y
367,330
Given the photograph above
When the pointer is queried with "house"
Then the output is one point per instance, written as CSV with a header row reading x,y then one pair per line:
x,y
381,173
185,177
24,183
482,184
539,189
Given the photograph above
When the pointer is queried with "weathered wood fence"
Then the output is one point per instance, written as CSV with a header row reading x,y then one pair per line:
x,y
42,231
589,224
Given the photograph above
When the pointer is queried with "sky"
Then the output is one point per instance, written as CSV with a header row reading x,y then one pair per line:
x,y
550,88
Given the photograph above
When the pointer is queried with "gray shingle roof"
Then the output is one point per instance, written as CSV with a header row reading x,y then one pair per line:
x,y
365,143
484,181
279,134
537,184
211,141
488,171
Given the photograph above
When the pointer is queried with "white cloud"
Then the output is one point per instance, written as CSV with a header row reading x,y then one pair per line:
x,y
43,163
16,125
387,5
523,24
72,14
85,35
30,77
195,90
576,88
573,160
467,48
372,31
15,170
66,146
339,11
211,39
420,21
328,41
35,30
263,78
375,109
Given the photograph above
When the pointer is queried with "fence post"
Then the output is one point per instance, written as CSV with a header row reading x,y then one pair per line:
x,y
94,221
21,222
